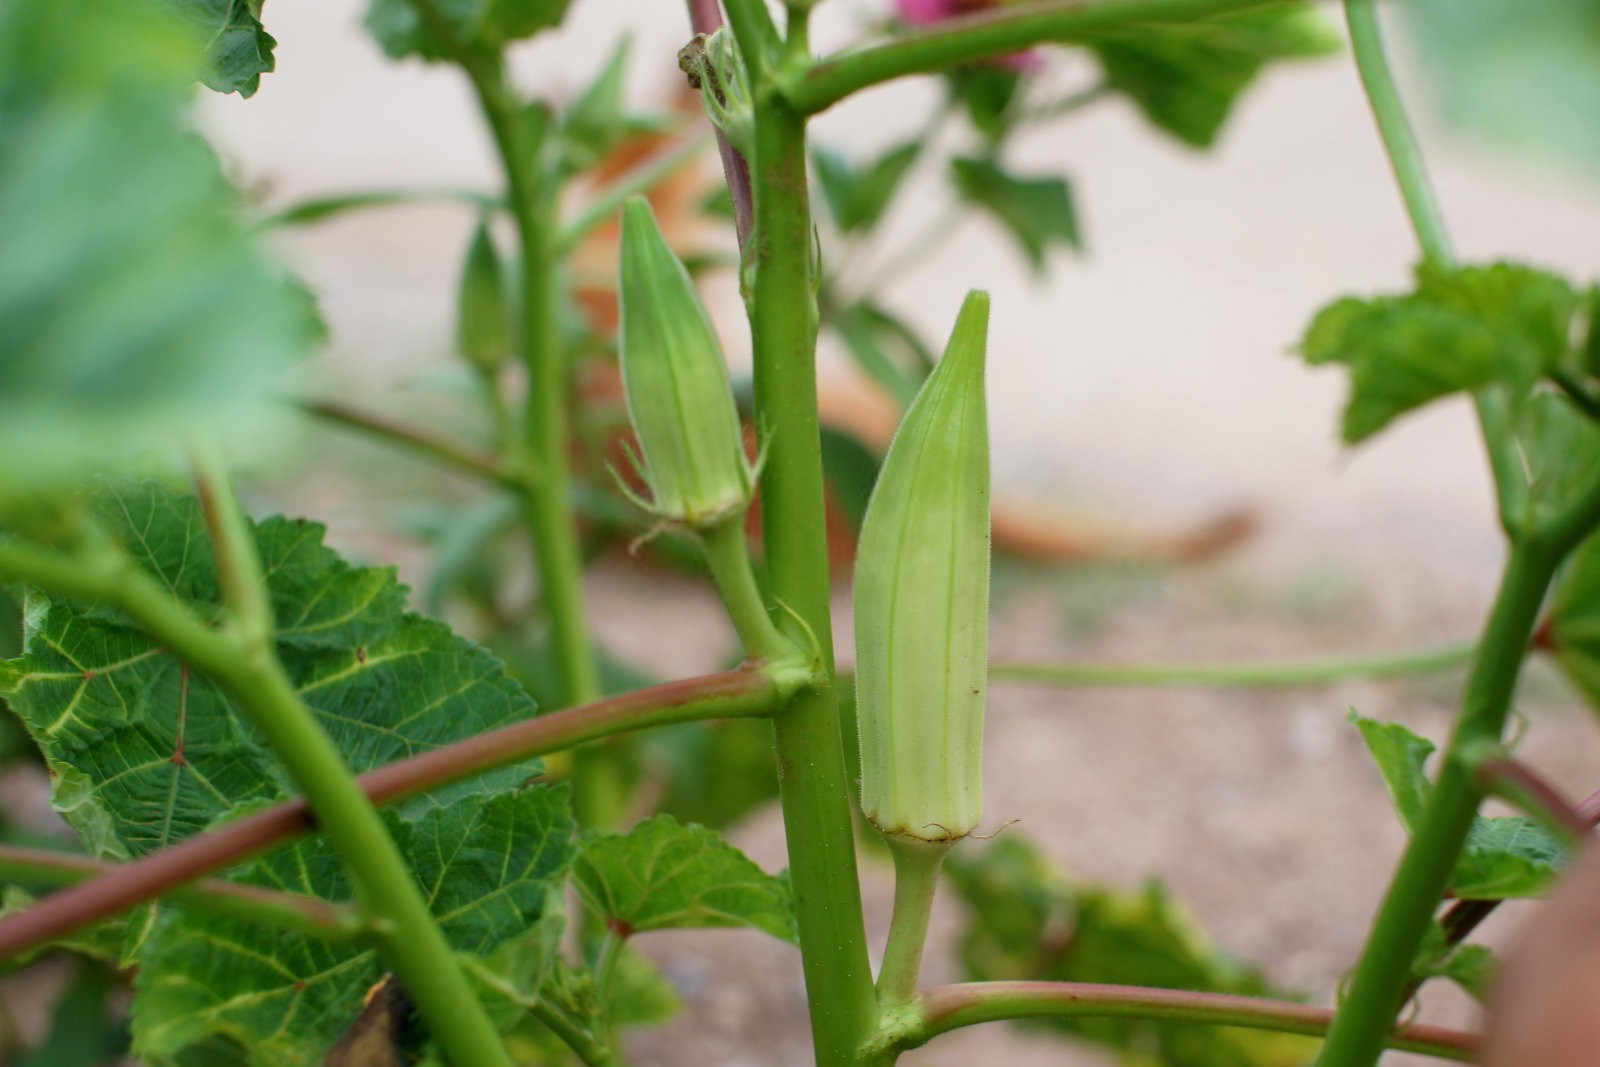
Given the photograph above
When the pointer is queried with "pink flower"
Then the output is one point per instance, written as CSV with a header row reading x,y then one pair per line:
x,y
923,12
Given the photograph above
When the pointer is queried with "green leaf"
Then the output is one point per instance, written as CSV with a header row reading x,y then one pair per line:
x,y
145,752
137,312
986,92
1574,626
664,875
487,866
104,941
1557,449
238,48
467,25
1186,77
856,196
884,347
1036,212
1026,921
1399,754
1469,966
1526,75
596,121
1460,329
1504,857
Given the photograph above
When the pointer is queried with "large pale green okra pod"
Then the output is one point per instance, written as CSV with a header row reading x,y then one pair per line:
x,y
922,603
679,400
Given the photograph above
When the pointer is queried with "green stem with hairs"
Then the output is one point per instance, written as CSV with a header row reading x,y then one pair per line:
x,y
1234,675
728,559
916,876
814,788
985,34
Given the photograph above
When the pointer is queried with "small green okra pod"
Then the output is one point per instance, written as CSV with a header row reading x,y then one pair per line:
x,y
483,319
676,384
922,603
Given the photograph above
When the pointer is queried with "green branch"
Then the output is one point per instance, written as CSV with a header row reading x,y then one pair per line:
x,y
728,559
301,912
986,34
946,1008
454,454
916,877
1234,675
733,694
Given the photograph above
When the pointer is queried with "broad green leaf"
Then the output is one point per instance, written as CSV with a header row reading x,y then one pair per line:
x,y
469,25
1574,627
1186,77
664,874
110,709
856,196
1507,856
1026,921
1460,329
509,979
238,49
1526,75
137,312
105,941
487,866
1036,211
1399,754
145,752
884,347
1469,966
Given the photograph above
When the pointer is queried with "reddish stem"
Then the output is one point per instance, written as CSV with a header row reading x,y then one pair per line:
x,y
743,692
705,16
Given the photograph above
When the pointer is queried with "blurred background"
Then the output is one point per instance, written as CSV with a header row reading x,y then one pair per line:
x,y
1138,389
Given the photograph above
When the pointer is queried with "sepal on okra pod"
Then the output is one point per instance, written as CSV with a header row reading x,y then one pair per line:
x,y
715,66
679,399
922,602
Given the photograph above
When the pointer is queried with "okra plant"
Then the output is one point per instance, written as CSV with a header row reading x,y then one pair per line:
x,y
315,826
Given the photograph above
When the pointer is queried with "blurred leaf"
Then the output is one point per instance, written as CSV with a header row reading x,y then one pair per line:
x,y
1574,626
1400,755
856,196
238,49
1025,921
137,312
1037,212
317,209
664,874
1469,966
510,978
717,772
483,307
1525,74
468,25
1557,449
1186,77
637,995
884,347
985,93
594,122
1460,329
850,469
1504,857
83,1031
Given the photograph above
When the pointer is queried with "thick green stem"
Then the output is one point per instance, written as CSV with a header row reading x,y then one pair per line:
x,y
1234,675
916,877
1376,990
985,34
728,559
814,788
306,914
946,1008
